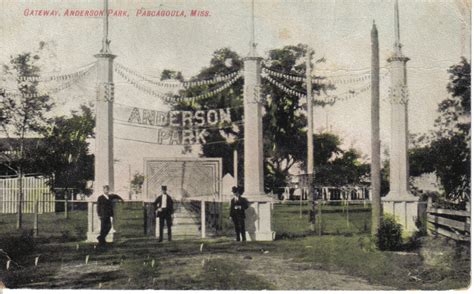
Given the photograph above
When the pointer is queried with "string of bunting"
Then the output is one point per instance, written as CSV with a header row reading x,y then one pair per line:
x,y
55,90
283,87
61,77
176,84
283,75
349,94
168,98
327,98
327,80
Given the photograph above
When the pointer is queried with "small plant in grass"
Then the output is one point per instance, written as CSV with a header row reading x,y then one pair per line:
x,y
389,234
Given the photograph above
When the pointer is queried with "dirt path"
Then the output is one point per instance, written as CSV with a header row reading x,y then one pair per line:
x,y
290,275
282,274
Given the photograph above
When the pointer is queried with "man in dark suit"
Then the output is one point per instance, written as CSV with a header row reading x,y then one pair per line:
x,y
238,205
105,210
164,211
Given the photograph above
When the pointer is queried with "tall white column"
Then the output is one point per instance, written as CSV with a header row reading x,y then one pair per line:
x,y
253,131
104,131
399,201
258,215
104,141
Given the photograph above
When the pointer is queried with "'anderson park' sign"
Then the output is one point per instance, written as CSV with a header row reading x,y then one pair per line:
x,y
181,127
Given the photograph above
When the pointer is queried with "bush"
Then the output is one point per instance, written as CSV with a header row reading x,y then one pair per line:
x,y
17,246
389,234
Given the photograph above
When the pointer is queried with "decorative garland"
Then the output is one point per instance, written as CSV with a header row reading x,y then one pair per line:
x,y
175,84
62,77
330,80
349,94
283,87
168,98
331,99
283,75
77,76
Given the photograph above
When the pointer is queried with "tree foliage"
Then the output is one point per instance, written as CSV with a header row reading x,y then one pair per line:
x,y
334,166
284,121
447,151
65,154
23,113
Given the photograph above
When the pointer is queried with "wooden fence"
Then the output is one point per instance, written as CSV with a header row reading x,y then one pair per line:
x,y
34,189
451,223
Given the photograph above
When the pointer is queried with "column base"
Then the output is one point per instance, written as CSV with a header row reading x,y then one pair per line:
x,y
258,218
111,237
406,211
93,226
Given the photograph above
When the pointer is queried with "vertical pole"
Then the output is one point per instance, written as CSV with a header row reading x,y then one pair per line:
x,y
429,205
301,205
129,182
66,216
35,221
236,167
203,219
468,218
309,137
375,138
104,141
19,220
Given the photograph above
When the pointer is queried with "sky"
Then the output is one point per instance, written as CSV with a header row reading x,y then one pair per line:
x,y
434,34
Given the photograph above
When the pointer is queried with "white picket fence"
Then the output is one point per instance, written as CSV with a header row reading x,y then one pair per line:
x,y
34,189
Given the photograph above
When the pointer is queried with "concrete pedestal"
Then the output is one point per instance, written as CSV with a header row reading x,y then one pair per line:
x,y
406,209
93,226
258,221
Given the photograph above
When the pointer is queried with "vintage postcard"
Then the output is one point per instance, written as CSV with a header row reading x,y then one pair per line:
x,y
235,144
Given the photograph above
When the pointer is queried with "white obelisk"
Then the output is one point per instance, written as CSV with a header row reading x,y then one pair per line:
x,y
399,201
258,215
104,139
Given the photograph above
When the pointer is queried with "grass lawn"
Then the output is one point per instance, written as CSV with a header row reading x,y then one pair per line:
x,y
343,251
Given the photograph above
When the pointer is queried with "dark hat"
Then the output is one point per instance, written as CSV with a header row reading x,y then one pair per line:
x,y
164,188
235,189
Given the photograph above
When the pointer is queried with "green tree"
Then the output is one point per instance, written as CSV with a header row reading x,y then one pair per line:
x,y
137,182
226,139
335,166
451,147
22,114
283,122
446,151
70,162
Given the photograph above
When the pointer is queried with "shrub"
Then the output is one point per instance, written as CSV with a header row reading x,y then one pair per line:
x,y
17,246
389,234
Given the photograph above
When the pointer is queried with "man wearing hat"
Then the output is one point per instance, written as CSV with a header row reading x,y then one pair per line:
x,y
164,210
238,205
105,210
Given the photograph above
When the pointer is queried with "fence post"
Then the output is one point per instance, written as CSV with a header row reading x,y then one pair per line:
x,y
35,220
320,216
66,216
347,213
429,205
468,218
203,219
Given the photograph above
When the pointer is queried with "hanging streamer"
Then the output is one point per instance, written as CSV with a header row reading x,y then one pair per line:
x,y
168,98
55,90
176,84
61,77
